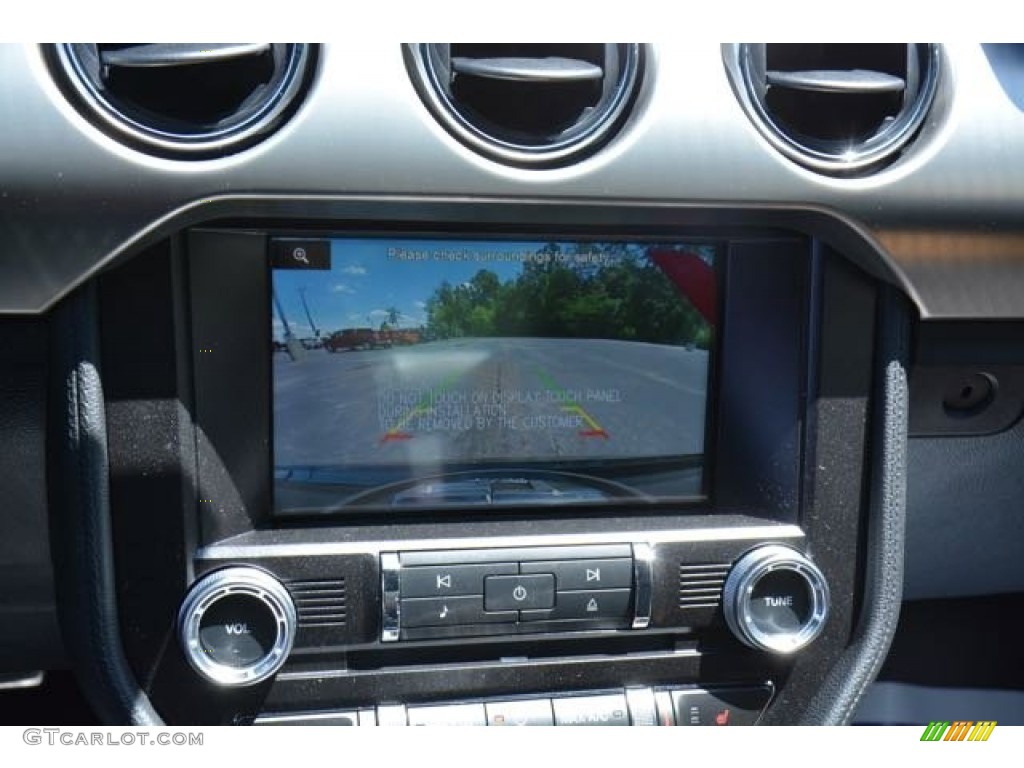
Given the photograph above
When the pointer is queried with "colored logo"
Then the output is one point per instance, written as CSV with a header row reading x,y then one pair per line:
x,y
961,730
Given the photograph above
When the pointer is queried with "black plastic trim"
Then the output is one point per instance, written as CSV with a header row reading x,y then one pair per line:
x,y
859,664
80,504
29,630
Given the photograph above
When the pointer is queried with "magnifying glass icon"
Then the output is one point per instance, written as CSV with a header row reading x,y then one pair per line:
x,y
299,254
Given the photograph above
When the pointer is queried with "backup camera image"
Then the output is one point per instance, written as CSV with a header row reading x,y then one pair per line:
x,y
438,373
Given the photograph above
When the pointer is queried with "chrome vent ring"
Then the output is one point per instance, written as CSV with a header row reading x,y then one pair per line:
x,y
839,109
528,105
185,100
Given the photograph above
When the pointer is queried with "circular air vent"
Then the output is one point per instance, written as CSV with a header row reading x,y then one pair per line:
x,y
186,99
839,108
528,104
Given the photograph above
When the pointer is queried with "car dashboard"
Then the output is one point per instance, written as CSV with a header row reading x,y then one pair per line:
x,y
513,384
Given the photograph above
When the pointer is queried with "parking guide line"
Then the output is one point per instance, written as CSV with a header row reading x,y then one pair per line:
x,y
571,406
423,407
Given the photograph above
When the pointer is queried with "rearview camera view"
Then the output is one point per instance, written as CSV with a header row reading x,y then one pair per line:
x,y
435,373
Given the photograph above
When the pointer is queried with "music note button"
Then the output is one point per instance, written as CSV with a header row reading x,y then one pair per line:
x,y
449,611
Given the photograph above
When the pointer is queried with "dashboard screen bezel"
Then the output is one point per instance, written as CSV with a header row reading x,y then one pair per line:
x,y
756,406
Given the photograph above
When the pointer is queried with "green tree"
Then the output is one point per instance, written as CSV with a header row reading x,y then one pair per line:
x,y
611,291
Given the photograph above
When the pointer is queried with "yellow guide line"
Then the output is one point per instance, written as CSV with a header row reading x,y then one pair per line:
x,y
578,409
424,405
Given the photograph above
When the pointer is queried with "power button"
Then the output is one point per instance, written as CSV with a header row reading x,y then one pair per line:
x,y
519,593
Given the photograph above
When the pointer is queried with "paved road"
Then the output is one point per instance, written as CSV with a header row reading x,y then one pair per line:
x,y
489,399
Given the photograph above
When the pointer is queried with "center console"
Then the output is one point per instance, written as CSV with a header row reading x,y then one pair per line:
x,y
410,470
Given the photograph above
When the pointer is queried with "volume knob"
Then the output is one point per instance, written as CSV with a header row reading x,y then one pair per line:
x,y
776,599
237,626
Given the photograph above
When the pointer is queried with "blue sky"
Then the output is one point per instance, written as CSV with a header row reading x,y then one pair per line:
x,y
368,276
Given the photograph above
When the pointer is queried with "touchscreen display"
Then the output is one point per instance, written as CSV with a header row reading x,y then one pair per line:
x,y
434,374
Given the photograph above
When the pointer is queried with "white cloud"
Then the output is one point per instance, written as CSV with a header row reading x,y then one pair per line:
x,y
342,288
421,305
354,269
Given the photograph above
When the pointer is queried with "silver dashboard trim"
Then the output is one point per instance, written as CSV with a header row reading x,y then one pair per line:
x,y
306,718
17,681
665,708
392,714
642,707
228,551
391,603
87,200
643,584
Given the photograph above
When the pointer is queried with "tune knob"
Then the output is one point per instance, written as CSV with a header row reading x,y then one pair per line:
x,y
237,626
776,599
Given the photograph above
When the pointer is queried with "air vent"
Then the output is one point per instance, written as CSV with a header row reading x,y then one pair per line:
x,y
839,108
319,603
700,586
186,99
528,105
